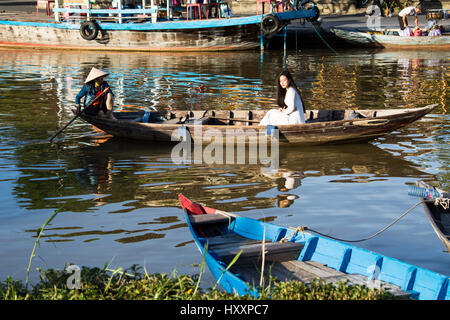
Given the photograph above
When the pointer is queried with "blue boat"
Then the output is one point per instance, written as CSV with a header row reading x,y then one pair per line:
x,y
298,255
154,28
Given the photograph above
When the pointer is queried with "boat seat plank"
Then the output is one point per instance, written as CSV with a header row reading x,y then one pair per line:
x,y
274,251
208,218
228,241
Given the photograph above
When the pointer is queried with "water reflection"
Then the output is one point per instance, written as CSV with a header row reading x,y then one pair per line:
x,y
127,181
141,175
386,79
119,198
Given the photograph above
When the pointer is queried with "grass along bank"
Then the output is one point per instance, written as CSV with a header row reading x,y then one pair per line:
x,y
87,283
132,284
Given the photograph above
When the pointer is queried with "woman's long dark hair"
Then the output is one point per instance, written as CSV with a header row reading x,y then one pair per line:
x,y
281,93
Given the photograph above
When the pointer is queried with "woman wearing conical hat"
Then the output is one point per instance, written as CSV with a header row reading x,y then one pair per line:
x,y
94,86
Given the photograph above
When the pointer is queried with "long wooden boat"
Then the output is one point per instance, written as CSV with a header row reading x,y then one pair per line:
x,y
438,213
241,126
390,38
141,30
298,255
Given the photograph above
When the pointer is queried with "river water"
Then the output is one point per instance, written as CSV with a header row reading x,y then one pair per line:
x,y
118,199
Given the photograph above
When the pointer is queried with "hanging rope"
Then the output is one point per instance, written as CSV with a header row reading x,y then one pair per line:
x,y
344,240
321,38
443,202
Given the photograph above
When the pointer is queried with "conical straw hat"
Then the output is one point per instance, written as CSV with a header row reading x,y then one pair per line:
x,y
94,74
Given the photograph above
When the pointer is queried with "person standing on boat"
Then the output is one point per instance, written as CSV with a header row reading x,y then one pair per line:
x,y
94,86
409,11
291,109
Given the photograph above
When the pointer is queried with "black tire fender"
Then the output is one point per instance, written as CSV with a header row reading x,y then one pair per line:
x,y
89,30
316,14
270,24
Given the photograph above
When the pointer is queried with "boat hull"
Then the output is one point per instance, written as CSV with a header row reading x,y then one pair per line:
x,y
438,216
236,33
311,133
236,37
376,39
328,258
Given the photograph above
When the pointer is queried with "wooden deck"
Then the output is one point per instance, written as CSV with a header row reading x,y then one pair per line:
x,y
307,271
27,16
281,263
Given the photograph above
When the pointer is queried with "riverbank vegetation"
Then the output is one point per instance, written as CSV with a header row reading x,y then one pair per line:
x,y
133,284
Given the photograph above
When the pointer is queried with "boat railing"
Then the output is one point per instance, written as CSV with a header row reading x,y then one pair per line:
x,y
119,15
437,14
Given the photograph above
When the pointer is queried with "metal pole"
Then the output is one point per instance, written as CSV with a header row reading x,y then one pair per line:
x,y
154,15
261,47
88,6
57,13
120,12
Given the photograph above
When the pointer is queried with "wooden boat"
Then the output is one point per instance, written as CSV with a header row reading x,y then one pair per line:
x,y
241,127
298,255
389,38
438,213
142,29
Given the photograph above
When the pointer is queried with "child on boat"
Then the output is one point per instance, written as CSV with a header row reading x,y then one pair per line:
x,y
409,11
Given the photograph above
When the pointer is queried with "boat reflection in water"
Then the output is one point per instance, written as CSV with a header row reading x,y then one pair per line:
x,y
117,170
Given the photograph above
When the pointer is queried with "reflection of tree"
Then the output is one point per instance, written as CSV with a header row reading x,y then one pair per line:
x,y
231,80
386,79
141,175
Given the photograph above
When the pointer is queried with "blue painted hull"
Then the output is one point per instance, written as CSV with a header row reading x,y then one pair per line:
x,y
237,33
422,284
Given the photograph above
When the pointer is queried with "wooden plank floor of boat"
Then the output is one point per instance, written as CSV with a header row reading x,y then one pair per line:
x,y
280,261
285,267
306,271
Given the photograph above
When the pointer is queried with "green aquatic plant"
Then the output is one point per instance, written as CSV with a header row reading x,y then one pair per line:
x,y
132,284
39,233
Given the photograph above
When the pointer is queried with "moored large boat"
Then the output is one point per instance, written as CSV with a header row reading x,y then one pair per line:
x,y
144,29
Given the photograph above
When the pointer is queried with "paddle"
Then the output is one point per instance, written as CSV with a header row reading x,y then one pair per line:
x,y
79,113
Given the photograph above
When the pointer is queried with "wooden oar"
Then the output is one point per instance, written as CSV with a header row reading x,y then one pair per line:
x,y
78,114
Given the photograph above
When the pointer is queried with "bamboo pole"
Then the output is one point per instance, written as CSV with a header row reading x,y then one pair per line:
x,y
78,114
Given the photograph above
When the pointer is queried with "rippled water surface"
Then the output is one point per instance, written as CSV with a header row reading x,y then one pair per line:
x,y
118,199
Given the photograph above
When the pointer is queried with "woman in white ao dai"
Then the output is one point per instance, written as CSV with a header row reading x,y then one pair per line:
x,y
291,109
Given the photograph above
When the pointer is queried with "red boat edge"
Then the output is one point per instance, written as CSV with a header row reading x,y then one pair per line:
x,y
192,208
